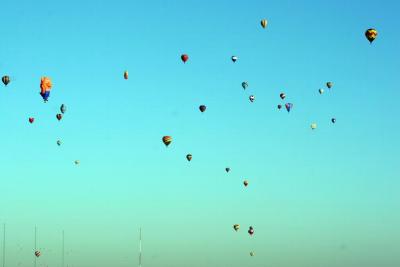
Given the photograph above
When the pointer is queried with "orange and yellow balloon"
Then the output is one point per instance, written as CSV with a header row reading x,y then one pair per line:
x,y
371,34
45,87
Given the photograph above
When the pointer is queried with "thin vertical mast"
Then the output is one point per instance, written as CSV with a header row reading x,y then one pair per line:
x,y
35,244
62,260
4,245
140,247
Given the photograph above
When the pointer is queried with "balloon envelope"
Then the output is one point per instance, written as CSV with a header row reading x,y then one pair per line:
x,y
184,58
371,34
313,126
6,80
264,23
63,108
288,106
167,140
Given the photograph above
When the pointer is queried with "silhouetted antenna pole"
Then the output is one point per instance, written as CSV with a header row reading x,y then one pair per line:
x,y
35,244
63,251
140,247
4,245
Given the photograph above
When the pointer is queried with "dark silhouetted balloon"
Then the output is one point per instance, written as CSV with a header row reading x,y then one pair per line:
x,y
184,58
6,80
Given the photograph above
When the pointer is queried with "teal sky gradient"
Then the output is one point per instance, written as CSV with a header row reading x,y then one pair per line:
x,y
327,197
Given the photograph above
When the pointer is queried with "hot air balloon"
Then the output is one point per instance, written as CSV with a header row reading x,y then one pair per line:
x,y
282,95
321,91
244,85
167,140
371,34
252,254
37,253
126,75
264,23
77,162
251,230
6,80
329,85
59,116
288,106
184,58
227,169
279,106
333,120
202,108
236,227
58,142
189,157
234,58
245,183
252,98
45,87
63,108
31,120
313,126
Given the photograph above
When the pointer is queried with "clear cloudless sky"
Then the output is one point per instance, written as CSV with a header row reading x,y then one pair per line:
x,y
328,197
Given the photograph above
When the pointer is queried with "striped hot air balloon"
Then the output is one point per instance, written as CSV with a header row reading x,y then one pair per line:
x,y
6,80
37,253
167,140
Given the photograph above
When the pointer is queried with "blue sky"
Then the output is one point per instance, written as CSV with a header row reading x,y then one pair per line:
x,y
316,198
